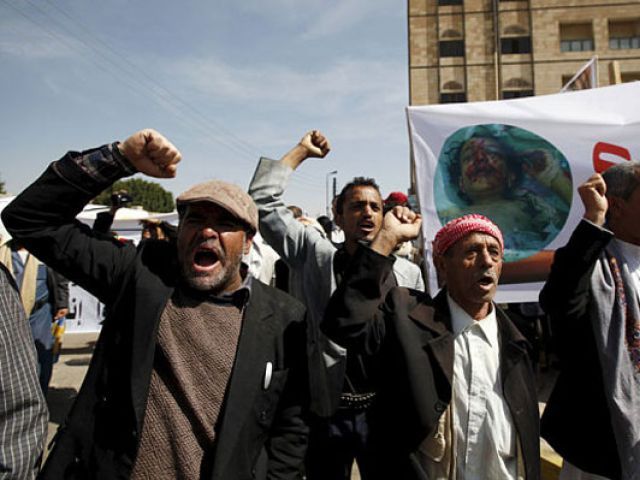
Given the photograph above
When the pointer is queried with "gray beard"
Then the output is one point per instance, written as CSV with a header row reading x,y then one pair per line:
x,y
215,284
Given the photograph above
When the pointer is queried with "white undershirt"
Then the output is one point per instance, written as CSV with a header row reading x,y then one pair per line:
x,y
485,438
23,255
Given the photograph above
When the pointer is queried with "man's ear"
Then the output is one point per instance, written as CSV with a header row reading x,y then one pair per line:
x,y
248,241
441,268
338,219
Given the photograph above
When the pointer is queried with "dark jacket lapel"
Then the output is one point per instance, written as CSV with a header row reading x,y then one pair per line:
x,y
518,386
513,345
154,287
437,319
149,305
248,371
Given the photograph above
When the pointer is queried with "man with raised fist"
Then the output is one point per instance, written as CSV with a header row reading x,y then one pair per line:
x,y
316,267
592,418
455,393
198,372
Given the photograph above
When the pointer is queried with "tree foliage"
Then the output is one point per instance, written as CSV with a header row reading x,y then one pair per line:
x,y
2,190
149,195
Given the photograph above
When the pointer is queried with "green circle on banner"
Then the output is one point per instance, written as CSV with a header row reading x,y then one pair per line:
x,y
518,179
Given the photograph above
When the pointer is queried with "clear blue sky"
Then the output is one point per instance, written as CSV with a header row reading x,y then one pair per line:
x,y
226,81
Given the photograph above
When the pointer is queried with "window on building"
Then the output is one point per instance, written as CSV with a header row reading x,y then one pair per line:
x,y
630,77
453,97
576,37
449,2
515,45
576,45
565,79
452,48
506,94
624,34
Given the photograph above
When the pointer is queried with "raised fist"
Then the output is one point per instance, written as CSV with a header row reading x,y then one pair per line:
x,y
400,224
593,195
403,223
151,153
316,144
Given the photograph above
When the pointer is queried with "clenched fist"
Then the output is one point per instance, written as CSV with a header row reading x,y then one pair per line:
x,y
313,144
399,225
316,144
151,153
593,195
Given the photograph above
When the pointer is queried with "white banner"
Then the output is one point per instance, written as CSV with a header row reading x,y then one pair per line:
x,y
86,313
519,162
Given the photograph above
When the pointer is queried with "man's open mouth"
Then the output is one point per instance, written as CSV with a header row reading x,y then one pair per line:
x,y
367,226
486,281
204,258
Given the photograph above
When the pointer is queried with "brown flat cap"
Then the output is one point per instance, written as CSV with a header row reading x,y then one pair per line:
x,y
226,195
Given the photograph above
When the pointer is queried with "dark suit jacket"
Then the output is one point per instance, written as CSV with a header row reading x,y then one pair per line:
x,y
411,334
99,439
576,420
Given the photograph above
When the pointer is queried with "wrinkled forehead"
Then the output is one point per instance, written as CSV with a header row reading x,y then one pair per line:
x,y
362,194
475,239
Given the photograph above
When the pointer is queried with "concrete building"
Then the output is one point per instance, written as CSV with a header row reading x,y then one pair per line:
x,y
473,50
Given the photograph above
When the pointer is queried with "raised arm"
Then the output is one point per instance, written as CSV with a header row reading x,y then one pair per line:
x,y
565,295
355,316
288,237
42,217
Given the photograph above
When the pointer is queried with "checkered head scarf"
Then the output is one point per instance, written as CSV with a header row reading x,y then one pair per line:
x,y
461,227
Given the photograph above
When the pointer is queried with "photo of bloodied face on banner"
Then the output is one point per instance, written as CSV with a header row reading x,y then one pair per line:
x,y
513,176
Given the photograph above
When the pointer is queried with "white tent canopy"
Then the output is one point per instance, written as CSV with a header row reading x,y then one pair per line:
x,y
85,312
126,223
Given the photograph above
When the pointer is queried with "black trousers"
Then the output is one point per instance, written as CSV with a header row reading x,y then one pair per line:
x,y
335,443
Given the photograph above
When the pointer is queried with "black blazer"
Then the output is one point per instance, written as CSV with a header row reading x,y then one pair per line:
x,y
411,335
99,439
576,420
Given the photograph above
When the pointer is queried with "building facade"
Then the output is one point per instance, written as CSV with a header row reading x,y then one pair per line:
x,y
474,50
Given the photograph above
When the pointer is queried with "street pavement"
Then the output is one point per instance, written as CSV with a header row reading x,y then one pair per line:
x,y
71,368
67,377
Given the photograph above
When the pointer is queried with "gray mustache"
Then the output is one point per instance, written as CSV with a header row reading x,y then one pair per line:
x,y
490,272
212,245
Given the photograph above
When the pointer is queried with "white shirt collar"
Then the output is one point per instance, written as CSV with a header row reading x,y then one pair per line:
x,y
461,321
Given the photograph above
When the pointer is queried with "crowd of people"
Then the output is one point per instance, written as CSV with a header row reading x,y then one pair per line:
x,y
204,370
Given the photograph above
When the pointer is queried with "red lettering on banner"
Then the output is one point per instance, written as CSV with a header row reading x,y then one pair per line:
x,y
599,163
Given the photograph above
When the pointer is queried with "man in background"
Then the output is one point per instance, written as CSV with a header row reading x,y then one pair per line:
x,y
316,268
592,417
456,393
45,299
23,408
